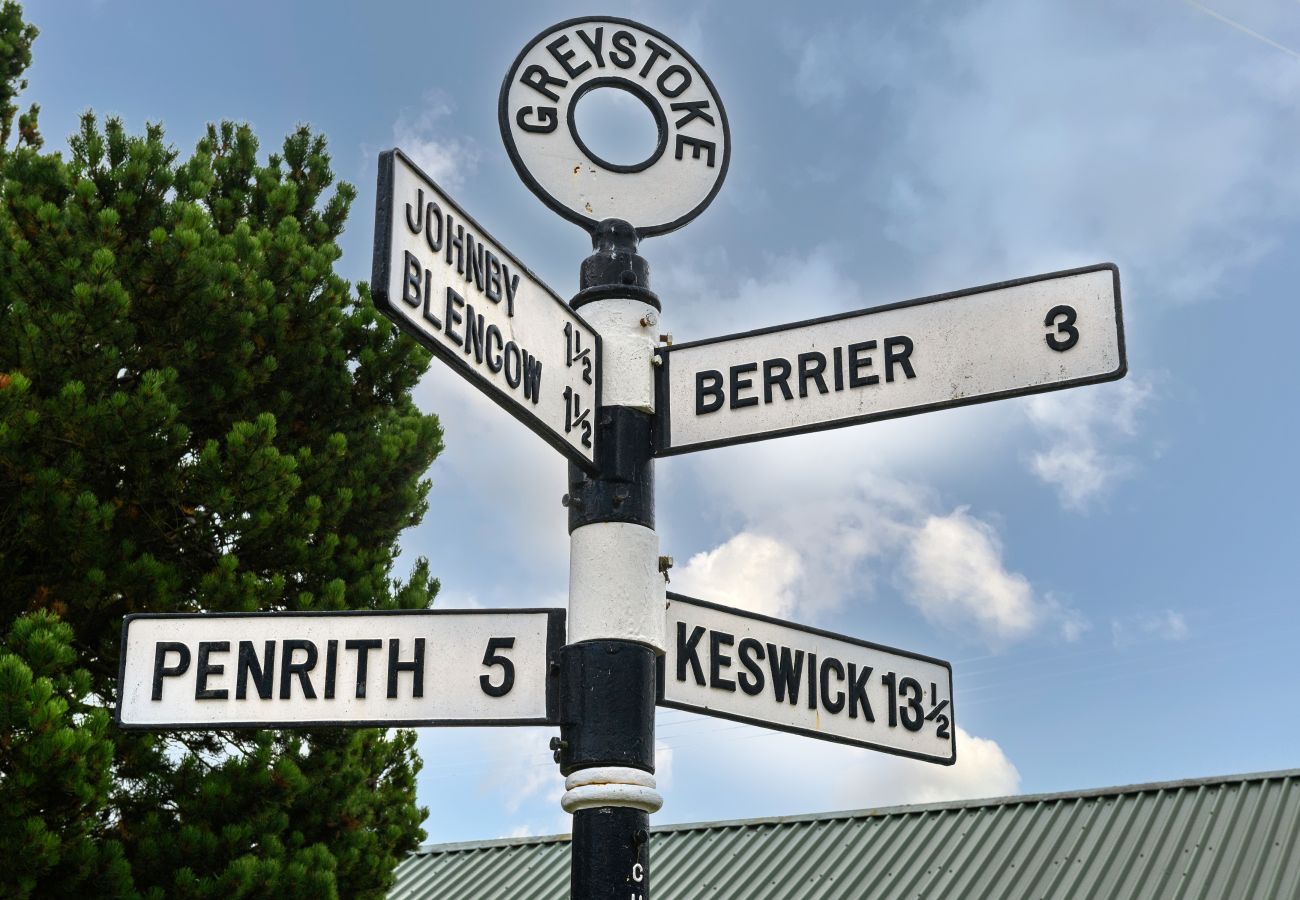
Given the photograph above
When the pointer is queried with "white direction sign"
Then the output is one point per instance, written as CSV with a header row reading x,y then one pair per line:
x,y
298,669
542,90
444,280
1002,340
752,668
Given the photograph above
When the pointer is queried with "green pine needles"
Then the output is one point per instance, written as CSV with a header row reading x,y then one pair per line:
x,y
196,414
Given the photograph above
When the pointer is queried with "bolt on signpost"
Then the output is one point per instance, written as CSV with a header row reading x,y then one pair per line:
x,y
590,379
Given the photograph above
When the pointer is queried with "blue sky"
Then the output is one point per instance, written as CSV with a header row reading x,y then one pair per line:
x,y
1112,570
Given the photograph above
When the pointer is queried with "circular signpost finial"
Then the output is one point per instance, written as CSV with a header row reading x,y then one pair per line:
x,y
660,193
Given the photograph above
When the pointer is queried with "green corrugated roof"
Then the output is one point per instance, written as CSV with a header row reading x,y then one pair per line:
x,y
1231,837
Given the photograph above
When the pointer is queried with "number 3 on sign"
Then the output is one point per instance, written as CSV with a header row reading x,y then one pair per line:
x,y
1065,326
491,657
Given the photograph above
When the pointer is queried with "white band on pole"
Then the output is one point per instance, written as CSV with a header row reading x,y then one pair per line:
x,y
611,786
616,591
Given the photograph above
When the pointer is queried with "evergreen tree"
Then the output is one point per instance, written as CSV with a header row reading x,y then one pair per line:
x,y
196,414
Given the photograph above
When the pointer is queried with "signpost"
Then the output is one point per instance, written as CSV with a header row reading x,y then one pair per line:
x,y
1001,340
449,284
753,668
598,389
308,669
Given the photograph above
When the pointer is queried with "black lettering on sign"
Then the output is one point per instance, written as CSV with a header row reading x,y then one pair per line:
x,y
832,704
415,667
206,668
694,109
913,713
362,648
594,45
751,651
512,354
512,285
547,117
412,275
474,330
563,58
898,352
688,652
776,373
1068,316
812,680
492,658
331,667
622,55
739,384
474,261
262,673
811,367
709,395
434,240
453,316
858,362
540,80
697,146
289,668
494,361
532,378
890,681
858,692
683,81
160,668
718,661
416,225
786,673
493,276
656,53
458,242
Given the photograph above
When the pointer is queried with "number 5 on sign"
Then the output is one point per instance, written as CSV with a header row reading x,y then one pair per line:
x,y
970,346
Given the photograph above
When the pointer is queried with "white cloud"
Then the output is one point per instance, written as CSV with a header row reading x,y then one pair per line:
x,y
721,762
1043,136
956,578
1165,625
982,770
749,571
1079,428
419,133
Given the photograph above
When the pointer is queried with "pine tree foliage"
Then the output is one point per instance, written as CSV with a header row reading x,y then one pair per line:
x,y
196,414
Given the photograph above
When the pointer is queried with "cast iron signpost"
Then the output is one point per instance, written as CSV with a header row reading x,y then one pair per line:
x,y
597,387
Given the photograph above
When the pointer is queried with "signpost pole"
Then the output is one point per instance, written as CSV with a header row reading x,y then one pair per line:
x,y
616,591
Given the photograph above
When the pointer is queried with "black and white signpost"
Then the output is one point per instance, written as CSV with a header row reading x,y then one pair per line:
x,y
590,378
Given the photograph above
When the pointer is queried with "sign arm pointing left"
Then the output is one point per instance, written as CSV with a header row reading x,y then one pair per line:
x,y
445,281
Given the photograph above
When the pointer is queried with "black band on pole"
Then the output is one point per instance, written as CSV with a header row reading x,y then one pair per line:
x,y
607,706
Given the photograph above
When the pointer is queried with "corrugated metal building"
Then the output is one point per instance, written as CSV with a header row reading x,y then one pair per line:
x,y
1232,837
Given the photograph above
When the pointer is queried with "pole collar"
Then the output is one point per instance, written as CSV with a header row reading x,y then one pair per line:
x,y
611,786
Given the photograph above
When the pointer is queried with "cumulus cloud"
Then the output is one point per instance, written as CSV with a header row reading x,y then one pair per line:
x,y
421,133
803,775
982,770
749,571
1044,136
1079,431
955,574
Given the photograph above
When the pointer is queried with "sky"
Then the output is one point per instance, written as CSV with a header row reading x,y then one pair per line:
x,y
1112,569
